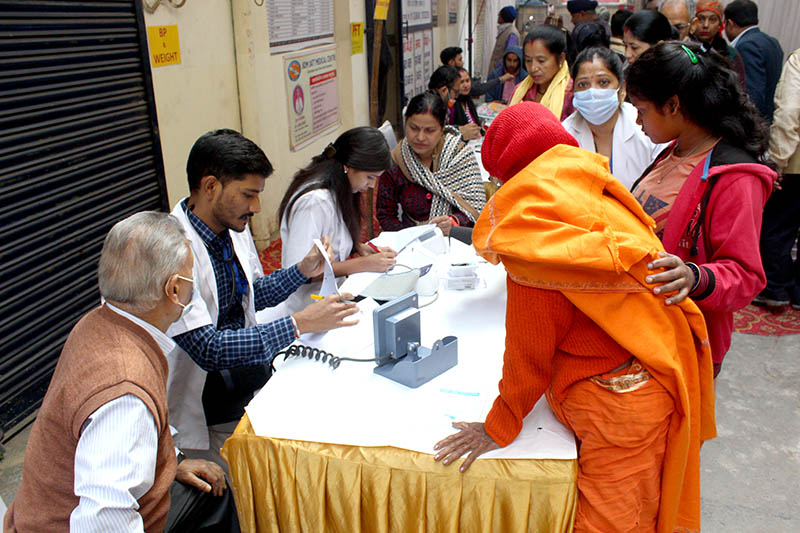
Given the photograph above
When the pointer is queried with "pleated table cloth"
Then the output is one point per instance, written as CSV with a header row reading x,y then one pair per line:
x,y
296,486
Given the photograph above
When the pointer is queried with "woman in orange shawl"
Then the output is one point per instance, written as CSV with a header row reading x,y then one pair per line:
x,y
630,376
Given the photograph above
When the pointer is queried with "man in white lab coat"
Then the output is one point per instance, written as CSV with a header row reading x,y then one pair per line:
x,y
223,354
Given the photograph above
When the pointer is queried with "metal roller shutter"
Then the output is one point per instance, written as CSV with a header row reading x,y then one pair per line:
x,y
79,150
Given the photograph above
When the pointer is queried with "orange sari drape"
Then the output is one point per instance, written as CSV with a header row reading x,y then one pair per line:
x,y
565,223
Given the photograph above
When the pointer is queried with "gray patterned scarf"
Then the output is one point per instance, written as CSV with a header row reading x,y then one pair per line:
x,y
455,181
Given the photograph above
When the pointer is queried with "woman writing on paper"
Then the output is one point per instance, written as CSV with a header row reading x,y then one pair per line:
x,y
434,177
546,49
324,198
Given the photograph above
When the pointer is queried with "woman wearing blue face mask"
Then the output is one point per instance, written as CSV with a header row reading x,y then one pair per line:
x,y
602,122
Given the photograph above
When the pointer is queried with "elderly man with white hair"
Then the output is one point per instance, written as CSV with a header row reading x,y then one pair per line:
x,y
680,14
100,456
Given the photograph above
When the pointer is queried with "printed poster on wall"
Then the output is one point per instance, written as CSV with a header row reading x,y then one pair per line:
x,y
312,95
452,11
409,89
297,24
418,62
417,12
420,83
427,57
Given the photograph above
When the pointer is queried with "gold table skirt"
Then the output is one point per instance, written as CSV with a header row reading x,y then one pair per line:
x,y
298,486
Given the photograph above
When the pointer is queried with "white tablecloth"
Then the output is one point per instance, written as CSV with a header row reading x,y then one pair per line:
x,y
307,400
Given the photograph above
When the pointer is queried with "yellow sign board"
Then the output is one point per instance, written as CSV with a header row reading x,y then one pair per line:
x,y
164,46
356,38
381,9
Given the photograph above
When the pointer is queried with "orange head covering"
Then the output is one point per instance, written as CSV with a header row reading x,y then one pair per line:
x,y
518,135
715,6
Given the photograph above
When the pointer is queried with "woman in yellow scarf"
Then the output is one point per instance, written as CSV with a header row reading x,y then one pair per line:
x,y
548,81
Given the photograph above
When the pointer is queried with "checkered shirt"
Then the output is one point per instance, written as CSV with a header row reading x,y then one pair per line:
x,y
230,344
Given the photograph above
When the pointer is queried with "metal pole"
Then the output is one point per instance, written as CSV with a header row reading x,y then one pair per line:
x,y
373,111
469,34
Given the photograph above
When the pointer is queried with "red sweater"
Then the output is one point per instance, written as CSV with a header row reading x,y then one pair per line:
x,y
548,342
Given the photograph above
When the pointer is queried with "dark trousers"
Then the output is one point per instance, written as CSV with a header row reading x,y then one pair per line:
x,y
191,509
778,234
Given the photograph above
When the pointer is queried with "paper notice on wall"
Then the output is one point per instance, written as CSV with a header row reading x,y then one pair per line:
x,y
418,64
409,88
356,38
420,82
312,95
381,9
165,49
298,24
452,11
427,57
417,12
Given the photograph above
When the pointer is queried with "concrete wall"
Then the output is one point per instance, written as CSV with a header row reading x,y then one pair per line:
x,y
446,34
228,78
199,94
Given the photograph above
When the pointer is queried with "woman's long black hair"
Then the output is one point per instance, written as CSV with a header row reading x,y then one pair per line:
x,y
710,94
361,148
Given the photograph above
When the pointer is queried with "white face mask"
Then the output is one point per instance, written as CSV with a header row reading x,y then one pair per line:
x,y
596,105
187,307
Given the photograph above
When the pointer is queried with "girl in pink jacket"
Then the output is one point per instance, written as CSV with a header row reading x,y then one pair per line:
x,y
707,190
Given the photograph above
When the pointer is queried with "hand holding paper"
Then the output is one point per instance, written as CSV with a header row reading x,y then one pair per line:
x,y
313,264
328,277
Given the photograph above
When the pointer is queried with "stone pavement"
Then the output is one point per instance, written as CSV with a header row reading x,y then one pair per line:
x,y
751,471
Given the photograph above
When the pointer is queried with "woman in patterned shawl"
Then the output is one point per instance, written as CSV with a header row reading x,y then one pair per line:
x,y
434,177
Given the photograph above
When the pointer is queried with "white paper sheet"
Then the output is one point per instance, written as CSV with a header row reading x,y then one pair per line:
x,y
355,283
328,278
348,341
398,240
414,255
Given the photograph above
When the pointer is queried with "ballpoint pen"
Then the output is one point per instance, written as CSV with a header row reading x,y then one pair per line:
x,y
319,297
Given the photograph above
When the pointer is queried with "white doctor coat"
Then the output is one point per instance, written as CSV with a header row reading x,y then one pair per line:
x,y
186,379
314,214
631,150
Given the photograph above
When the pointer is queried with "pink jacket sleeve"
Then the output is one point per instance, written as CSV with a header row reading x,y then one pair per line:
x,y
734,229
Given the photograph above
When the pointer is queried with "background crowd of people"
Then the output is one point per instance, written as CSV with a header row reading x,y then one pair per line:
x,y
650,175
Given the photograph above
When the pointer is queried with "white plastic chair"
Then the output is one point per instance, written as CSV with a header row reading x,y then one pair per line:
x,y
388,133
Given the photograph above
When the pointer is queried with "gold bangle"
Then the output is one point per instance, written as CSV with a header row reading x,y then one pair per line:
x,y
294,325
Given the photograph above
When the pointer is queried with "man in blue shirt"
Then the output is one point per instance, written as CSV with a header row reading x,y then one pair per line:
x,y
224,355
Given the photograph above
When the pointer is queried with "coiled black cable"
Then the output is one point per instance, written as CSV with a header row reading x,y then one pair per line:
x,y
315,354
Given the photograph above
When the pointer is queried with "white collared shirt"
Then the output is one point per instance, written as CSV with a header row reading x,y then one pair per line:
x,y
115,460
163,340
736,40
